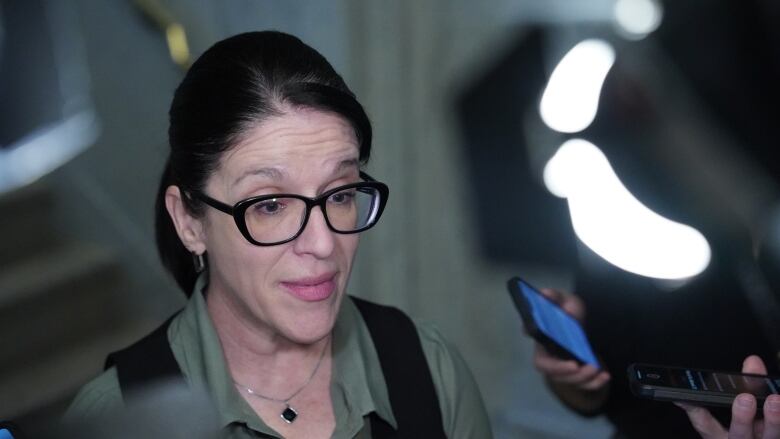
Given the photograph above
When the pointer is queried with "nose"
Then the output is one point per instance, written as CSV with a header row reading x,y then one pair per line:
x,y
316,238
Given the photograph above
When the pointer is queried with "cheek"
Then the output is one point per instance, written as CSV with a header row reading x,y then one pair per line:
x,y
234,257
348,245
220,236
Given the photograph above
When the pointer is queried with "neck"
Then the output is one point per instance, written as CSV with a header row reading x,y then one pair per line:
x,y
259,357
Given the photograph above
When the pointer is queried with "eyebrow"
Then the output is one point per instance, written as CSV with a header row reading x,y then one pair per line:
x,y
278,174
272,173
349,163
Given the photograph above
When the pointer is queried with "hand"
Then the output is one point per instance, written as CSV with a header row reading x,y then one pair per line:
x,y
569,373
743,413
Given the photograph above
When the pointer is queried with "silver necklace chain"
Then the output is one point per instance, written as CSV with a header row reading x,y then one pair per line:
x,y
288,414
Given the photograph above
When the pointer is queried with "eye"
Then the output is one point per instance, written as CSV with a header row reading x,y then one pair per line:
x,y
269,207
342,197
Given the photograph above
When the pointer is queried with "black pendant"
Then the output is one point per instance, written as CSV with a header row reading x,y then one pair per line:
x,y
289,415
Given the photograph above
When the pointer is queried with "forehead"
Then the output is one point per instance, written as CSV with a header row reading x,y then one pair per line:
x,y
300,140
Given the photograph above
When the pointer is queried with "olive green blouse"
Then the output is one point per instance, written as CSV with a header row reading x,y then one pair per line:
x,y
357,388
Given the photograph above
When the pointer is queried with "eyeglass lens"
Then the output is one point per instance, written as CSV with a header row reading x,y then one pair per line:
x,y
279,219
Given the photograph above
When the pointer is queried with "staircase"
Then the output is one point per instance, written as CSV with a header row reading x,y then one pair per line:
x,y
61,308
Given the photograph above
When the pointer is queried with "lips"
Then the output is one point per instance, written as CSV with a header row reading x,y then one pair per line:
x,y
312,289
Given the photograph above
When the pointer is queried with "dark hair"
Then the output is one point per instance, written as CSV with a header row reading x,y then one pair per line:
x,y
235,85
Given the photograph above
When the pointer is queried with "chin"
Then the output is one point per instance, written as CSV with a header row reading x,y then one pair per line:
x,y
308,336
309,322
308,327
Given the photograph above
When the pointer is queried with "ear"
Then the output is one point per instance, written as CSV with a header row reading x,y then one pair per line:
x,y
188,227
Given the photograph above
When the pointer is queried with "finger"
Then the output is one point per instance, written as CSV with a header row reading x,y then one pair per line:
x,y
554,366
597,382
570,303
574,306
703,422
683,405
754,364
583,375
772,417
743,412
554,295
545,360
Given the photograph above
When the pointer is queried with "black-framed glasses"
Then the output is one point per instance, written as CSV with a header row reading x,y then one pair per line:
x,y
278,218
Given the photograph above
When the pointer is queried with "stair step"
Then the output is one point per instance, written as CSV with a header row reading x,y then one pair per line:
x,y
56,298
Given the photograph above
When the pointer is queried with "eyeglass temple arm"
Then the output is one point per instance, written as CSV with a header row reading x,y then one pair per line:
x,y
216,204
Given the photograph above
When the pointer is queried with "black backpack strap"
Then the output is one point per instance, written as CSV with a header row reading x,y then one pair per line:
x,y
381,429
407,375
149,359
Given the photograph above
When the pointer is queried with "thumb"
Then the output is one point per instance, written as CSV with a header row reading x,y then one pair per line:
x,y
754,364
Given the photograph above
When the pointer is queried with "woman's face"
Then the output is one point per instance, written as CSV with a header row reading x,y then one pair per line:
x,y
293,290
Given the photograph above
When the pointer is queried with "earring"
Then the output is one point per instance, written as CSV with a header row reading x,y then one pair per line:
x,y
199,262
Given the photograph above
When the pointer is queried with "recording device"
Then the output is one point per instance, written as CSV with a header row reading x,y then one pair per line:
x,y
698,386
561,334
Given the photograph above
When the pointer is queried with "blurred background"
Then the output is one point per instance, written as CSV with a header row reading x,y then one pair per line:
x,y
621,149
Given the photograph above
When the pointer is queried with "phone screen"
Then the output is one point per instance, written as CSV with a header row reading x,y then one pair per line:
x,y
553,322
707,381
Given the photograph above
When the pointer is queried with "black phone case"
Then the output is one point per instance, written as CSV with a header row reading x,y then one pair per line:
x,y
524,308
677,394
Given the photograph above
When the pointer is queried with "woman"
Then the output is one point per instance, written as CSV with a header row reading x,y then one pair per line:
x,y
257,219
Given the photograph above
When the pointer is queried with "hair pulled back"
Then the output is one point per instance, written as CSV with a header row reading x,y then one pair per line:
x,y
235,85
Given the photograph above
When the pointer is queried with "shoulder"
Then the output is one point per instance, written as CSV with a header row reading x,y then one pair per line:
x,y
390,322
445,361
443,357
97,397
463,410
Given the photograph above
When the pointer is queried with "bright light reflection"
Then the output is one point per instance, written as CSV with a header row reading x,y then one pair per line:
x,y
571,98
613,223
638,18
43,150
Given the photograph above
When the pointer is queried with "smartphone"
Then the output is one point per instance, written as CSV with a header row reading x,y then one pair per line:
x,y
698,386
561,334
8,430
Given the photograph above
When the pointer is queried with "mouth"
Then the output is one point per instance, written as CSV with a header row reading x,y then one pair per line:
x,y
312,289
